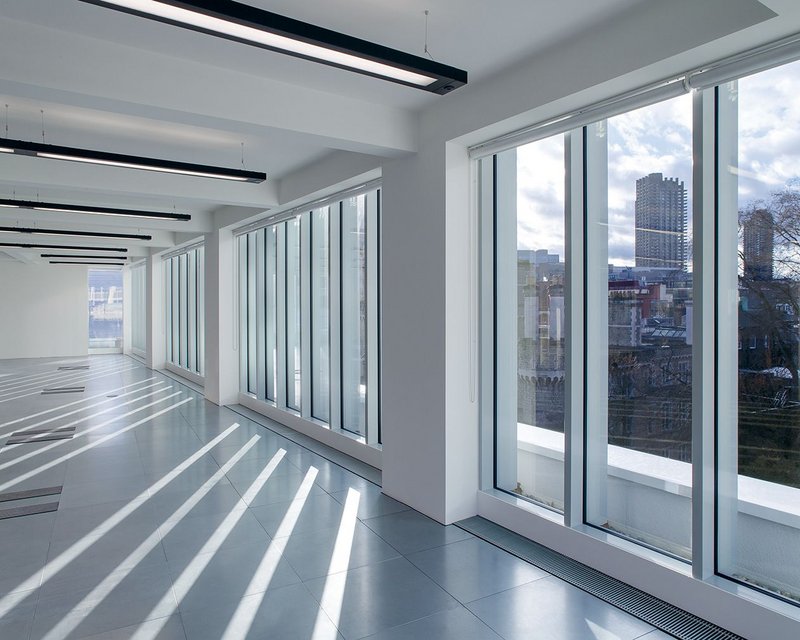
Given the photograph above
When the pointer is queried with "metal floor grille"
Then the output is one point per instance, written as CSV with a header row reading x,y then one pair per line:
x,y
74,367
30,493
644,606
29,510
49,390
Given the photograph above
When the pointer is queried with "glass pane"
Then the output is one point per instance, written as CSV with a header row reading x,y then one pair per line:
x,y
293,362
105,309
191,304
176,314
760,460
201,311
271,311
639,369
530,357
320,315
183,308
354,315
252,362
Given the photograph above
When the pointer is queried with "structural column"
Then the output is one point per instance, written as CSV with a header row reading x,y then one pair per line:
x,y
221,319
156,346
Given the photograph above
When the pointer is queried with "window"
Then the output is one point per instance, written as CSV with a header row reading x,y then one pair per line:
x,y
640,375
184,313
530,356
105,309
293,344
639,288
759,391
317,290
320,315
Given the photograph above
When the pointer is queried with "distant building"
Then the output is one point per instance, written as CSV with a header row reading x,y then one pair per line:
x,y
758,238
661,218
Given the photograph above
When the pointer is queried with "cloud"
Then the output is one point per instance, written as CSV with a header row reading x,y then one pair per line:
x,y
658,139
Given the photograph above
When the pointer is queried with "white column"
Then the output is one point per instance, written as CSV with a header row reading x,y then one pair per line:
x,y
596,150
127,303
156,341
505,293
221,316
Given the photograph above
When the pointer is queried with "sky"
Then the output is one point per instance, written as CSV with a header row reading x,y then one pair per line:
x,y
658,139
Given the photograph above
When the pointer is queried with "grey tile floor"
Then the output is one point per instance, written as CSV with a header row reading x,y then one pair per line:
x,y
181,519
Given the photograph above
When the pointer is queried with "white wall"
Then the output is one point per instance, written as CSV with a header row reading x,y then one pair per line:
x,y
43,311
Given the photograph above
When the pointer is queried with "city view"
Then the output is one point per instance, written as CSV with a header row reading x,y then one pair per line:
x,y
650,294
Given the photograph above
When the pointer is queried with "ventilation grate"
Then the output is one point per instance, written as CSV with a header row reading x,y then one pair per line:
x,y
49,390
644,606
29,510
26,439
31,432
76,367
30,493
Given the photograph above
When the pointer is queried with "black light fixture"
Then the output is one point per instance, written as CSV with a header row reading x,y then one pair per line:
x,y
79,247
80,234
82,256
101,211
105,264
249,25
55,152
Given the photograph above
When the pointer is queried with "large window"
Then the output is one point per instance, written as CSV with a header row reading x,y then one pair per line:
x,y
184,316
105,309
642,307
309,314
759,338
529,316
638,348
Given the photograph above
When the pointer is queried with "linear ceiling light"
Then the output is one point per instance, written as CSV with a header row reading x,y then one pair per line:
x,y
249,25
79,247
67,232
79,255
101,211
55,152
105,264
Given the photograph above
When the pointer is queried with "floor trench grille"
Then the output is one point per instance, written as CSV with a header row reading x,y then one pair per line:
x,y
644,606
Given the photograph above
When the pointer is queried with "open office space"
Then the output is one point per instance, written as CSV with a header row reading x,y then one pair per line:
x,y
447,319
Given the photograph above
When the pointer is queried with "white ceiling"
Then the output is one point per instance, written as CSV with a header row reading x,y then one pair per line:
x,y
111,81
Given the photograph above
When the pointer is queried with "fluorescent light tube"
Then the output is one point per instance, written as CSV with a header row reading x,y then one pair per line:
x,y
250,25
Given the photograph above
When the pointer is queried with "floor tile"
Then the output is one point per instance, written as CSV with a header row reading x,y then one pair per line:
x,y
222,530
170,628
452,624
17,620
318,511
143,593
230,574
554,609
371,502
317,553
217,499
410,531
379,596
472,569
278,489
289,613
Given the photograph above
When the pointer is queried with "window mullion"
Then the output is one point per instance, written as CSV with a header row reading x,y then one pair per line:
x,y
372,316
727,357
574,330
335,234
305,315
280,374
596,331
261,321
